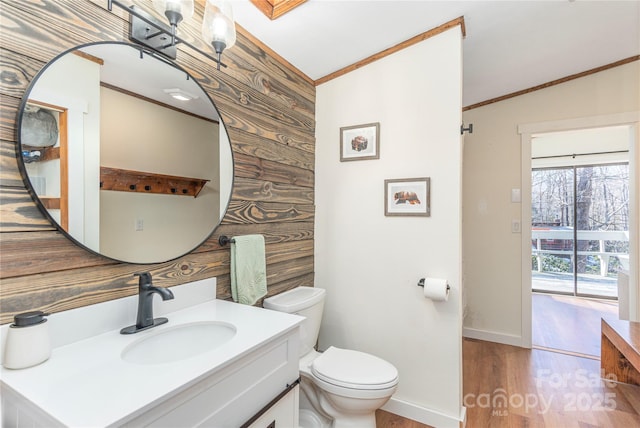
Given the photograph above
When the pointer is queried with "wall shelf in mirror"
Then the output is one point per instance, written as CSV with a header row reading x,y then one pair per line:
x,y
124,180
45,153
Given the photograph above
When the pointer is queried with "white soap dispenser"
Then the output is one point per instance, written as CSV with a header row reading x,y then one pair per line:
x,y
28,342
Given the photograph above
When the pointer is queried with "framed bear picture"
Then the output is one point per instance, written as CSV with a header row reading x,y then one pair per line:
x,y
360,142
407,197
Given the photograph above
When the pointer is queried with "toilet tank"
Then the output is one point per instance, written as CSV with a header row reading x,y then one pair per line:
x,y
304,301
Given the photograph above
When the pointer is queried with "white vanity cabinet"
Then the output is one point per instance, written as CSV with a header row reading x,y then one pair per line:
x,y
249,381
230,397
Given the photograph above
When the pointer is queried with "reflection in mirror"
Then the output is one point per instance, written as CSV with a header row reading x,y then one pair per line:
x,y
125,152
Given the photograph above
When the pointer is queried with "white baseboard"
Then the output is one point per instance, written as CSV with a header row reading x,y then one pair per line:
x,y
424,415
492,336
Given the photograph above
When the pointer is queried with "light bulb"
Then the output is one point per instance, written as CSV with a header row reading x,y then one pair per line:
x,y
218,27
174,10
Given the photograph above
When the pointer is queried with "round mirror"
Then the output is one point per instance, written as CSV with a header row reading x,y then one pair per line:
x,y
125,153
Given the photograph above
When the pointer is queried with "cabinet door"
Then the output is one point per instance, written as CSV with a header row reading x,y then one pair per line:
x,y
283,414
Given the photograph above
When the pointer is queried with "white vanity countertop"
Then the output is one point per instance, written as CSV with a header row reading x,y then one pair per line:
x,y
87,383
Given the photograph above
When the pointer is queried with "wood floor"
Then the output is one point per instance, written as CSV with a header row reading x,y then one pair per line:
x,y
511,387
542,389
389,420
569,323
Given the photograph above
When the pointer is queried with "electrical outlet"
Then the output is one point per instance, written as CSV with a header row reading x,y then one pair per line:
x,y
515,226
139,225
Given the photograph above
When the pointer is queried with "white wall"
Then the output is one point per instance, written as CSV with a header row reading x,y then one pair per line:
x,y
159,140
492,167
73,83
370,264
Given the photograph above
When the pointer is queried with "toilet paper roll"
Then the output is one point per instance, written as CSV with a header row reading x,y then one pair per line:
x,y
436,289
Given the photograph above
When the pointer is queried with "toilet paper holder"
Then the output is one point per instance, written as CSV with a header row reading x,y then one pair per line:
x,y
421,284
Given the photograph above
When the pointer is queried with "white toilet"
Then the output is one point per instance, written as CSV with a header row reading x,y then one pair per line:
x,y
341,388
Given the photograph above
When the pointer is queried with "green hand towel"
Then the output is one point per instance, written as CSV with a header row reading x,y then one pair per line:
x,y
248,269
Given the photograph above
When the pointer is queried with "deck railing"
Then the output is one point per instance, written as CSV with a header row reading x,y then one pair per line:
x,y
553,237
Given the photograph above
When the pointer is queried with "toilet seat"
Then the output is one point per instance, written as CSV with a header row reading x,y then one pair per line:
x,y
346,368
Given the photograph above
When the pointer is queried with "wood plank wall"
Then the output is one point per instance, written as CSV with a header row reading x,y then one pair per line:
x,y
268,108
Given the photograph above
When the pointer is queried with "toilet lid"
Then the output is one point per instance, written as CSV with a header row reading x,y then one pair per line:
x,y
353,369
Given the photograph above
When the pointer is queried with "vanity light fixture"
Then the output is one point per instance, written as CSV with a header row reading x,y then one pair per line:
x,y
179,94
218,28
175,11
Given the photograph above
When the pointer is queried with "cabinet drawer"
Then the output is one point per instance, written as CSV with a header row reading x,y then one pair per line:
x,y
229,397
283,414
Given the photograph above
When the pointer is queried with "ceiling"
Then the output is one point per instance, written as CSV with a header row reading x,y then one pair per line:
x,y
509,45
151,77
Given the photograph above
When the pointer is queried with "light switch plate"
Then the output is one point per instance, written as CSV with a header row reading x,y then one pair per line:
x,y
516,195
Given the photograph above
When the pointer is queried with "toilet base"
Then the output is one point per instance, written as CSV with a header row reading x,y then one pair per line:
x,y
310,419
362,421
318,409
309,416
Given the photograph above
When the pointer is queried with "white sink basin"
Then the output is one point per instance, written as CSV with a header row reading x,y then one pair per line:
x,y
178,343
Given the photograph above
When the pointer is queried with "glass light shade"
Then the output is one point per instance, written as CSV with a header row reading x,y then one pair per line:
x,y
174,9
218,25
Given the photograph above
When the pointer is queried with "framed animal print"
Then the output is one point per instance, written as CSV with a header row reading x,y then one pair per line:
x,y
360,142
407,197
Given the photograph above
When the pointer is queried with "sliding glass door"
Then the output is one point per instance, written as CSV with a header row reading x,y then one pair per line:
x,y
580,223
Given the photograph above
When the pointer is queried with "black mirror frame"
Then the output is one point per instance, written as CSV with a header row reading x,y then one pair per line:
x,y
30,188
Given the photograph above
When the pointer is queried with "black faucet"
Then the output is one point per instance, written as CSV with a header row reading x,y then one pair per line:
x,y
146,291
